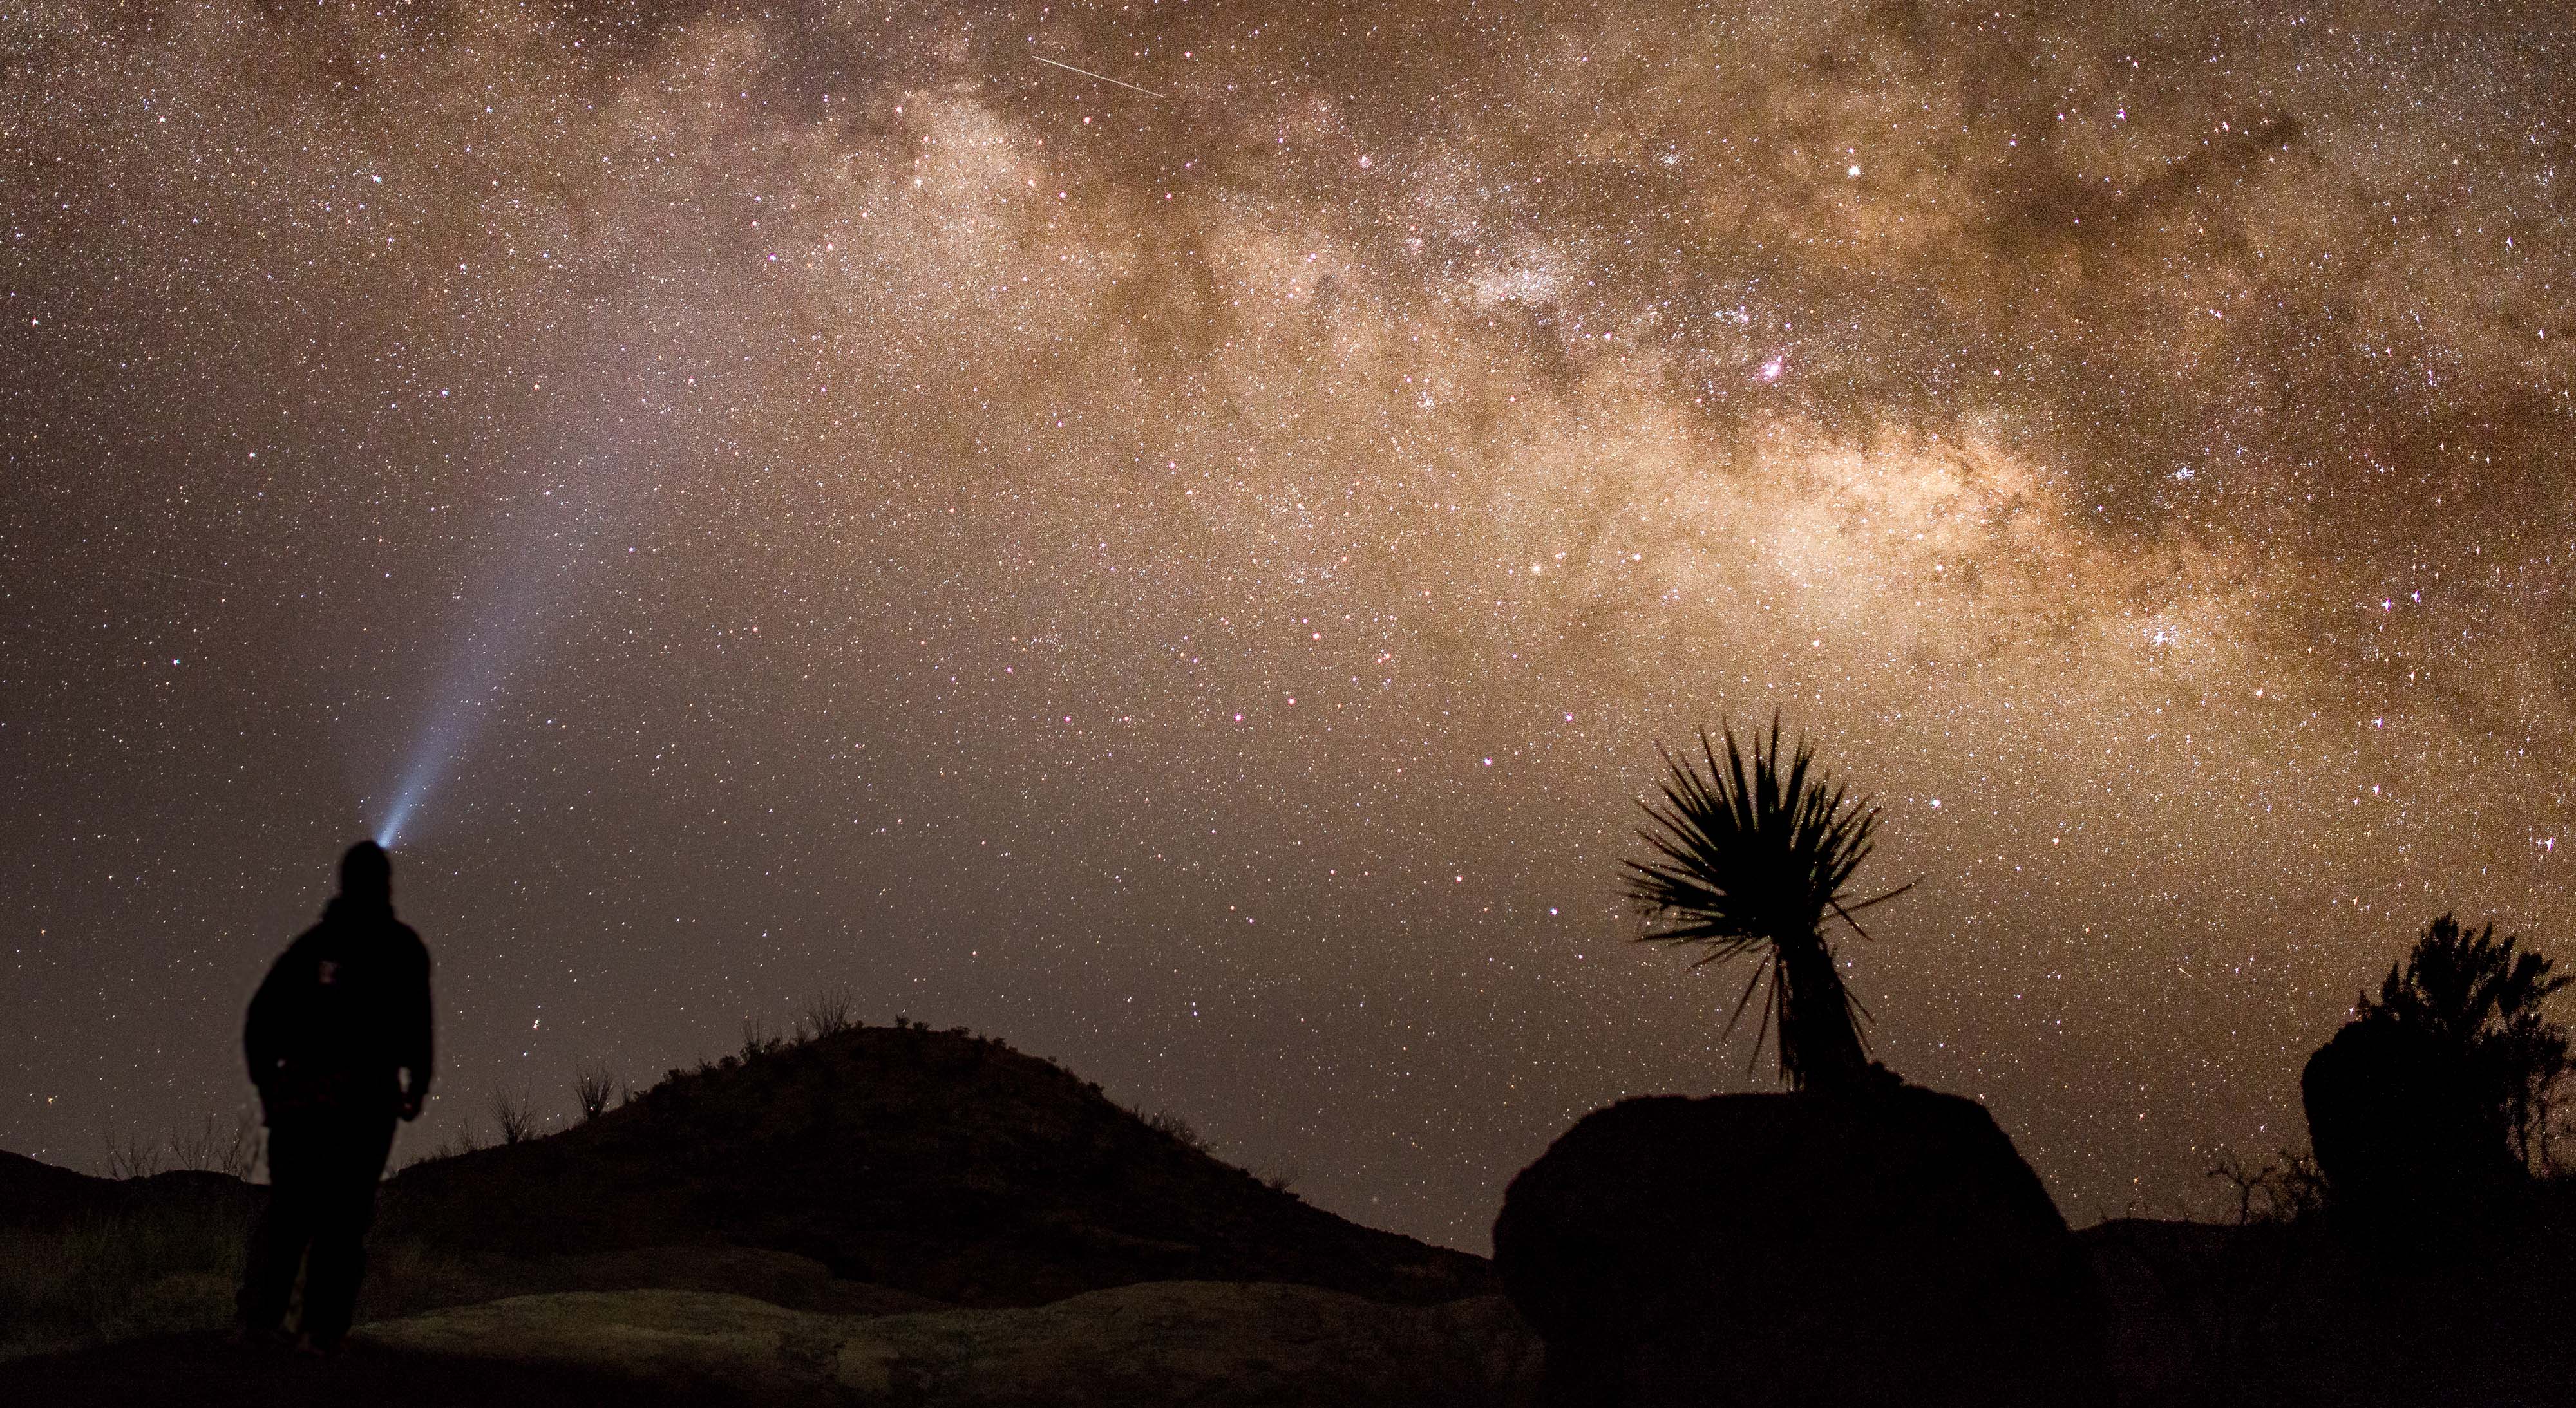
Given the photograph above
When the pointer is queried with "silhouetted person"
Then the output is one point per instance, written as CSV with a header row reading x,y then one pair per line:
x,y
342,1012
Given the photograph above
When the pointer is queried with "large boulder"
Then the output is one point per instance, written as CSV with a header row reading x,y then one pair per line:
x,y
2412,1157
1881,1248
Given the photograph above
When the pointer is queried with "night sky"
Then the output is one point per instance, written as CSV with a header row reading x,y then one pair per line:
x,y
1189,581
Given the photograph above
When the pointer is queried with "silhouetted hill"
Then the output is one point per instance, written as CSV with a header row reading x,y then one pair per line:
x,y
934,1162
38,1196
34,1193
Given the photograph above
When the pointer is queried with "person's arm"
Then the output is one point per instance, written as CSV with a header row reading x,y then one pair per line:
x,y
417,1020
260,1029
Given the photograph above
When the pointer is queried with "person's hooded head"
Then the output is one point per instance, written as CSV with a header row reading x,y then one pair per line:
x,y
366,877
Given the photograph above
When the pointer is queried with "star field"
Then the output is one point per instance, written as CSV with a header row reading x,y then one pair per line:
x,y
1188,581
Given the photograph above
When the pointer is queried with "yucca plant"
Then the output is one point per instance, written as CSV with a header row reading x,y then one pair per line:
x,y
1751,858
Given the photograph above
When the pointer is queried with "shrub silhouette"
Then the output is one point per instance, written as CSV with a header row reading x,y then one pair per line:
x,y
1751,859
515,1114
1179,1130
831,1012
2283,1189
214,1145
2428,1109
593,1087
2478,999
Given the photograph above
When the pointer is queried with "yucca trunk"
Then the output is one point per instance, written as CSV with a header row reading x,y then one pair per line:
x,y
1820,1043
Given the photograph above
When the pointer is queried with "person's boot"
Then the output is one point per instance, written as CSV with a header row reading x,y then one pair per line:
x,y
257,1337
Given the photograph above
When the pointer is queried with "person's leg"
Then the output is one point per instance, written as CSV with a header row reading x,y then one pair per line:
x,y
342,1213
278,1240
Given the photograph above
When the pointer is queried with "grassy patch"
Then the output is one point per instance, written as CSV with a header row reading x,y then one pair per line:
x,y
145,1272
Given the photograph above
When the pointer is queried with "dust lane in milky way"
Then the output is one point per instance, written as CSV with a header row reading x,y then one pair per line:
x,y
1187,580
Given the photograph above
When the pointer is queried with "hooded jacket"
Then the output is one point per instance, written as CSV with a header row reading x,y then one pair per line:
x,y
343,1009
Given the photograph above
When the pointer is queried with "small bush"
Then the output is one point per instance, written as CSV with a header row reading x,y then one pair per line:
x,y
215,1145
831,1012
2285,1188
515,1116
1180,1131
592,1088
218,1145
130,1155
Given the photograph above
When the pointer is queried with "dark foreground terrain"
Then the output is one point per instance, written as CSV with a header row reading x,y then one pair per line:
x,y
898,1216
203,1369
876,1194
2299,1313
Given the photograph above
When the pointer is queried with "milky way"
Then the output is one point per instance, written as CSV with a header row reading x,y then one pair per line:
x,y
1189,580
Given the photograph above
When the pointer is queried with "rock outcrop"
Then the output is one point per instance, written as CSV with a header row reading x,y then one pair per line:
x,y
1205,1344
1882,1249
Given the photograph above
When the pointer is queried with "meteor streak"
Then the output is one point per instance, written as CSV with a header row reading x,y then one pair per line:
x,y
1105,78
